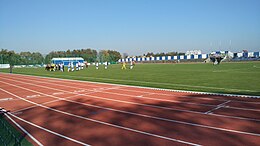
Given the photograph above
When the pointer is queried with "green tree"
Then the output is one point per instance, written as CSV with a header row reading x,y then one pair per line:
x,y
9,57
37,58
104,56
4,56
114,56
26,58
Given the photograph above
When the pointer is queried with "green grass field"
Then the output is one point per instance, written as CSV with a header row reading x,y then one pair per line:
x,y
234,78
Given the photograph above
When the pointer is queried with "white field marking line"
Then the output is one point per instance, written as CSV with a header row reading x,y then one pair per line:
x,y
33,96
142,87
74,82
246,109
240,118
47,130
30,107
158,99
231,116
218,107
200,98
240,108
249,102
256,66
81,89
142,96
11,99
182,85
203,87
152,117
20,110
237,70
6,85
101,122
225,116
153,106
97,97
8,99
54,81
26,132
5,99
172,95
203,98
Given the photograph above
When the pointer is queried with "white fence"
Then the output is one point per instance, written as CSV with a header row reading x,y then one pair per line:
x,y
4,65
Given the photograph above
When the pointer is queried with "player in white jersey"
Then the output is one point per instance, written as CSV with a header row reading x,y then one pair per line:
x,y
69,67
132,63
77,66
61,67
72,66
106,65
81,65
97,65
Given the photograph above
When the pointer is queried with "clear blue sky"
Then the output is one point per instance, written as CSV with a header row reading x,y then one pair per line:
x,y
131,26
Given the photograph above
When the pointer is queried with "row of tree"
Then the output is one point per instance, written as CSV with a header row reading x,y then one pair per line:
x,y
89,55
28,58
23,58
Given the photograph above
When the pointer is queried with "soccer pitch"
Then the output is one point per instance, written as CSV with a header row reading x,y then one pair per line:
x,y
234,78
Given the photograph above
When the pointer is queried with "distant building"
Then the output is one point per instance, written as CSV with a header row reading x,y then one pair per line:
x,y
67,60
193,52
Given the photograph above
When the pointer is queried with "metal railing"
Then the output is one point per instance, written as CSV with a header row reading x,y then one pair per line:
x,y
7,136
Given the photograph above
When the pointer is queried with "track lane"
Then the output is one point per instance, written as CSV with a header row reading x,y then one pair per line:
x,y
178,96
231,116
165,93
44,91
181,103
172,128
105,127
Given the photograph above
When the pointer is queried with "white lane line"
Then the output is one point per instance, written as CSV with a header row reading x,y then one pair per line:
x,y
5,99
182,85
101,122
172,95
153,117
240,118
140,104
47,130
141,96
26,132
74,82
218,107
160,89
240,108
30,107
97,97
158,99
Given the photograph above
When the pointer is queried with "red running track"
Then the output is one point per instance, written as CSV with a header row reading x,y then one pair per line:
x,y
68,112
